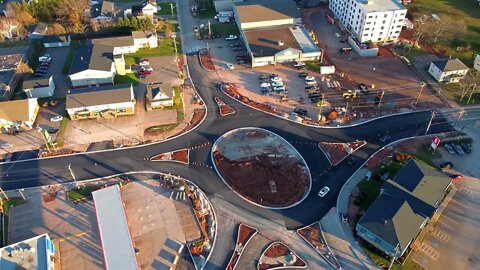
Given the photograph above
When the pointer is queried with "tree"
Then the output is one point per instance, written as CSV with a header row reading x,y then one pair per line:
x,y
168,30
73,14
134,22
120,22
25,18
9,27
56,29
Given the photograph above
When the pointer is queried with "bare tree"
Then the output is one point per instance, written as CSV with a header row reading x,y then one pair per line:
x,y
420,30
72,13
9,27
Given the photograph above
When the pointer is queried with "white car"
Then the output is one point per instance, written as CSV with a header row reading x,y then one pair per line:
x,y
323,191
299,64
231,37
230,66
309,78
279,88
147,69
276,79
7,145
56,118
277,84
44,58
264,84
144,62
311,82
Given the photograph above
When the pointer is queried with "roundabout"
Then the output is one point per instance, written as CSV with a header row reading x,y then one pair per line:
x,y
261,167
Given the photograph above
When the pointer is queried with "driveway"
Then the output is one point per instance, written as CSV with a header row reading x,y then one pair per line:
x,y
62,82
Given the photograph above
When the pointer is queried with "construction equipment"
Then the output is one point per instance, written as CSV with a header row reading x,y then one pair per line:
x,y
283,98
350,94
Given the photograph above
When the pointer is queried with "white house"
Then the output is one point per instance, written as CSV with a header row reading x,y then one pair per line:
x,y
145,39
35,253
103,11
257,14
56,41
145,10
92,66
476,63
149,9
18,114
129,44
448,70
39,88
160,95
371,20
101,102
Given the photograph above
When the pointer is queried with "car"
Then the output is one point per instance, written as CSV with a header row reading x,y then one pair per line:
x,y
279,89
7,145
41,71
277,83
303,74
449,148
150,69
144,62
311,87
323,191
262,77
273,75
264,84
315,95
239,62
42,67
195,29
264,80
309,78
276,79
350,94
45,57
56,118
458,149
231,37
144,72
142,76
266,91
302,68
230,66
467,148
446,165
456,177
299,64
311,82
300,111
363,88
45,64
38,75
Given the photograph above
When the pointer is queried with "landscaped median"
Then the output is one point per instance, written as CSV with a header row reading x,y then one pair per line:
x,y
336,152
279,256
313,235
176,156
206,59
244,235
224,108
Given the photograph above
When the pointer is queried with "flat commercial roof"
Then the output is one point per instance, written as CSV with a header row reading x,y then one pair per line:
x,y
266,10
117,243
27,254
265,42
381,5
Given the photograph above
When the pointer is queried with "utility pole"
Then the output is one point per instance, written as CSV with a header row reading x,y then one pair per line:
x,y
171,8
430,122
73,175
381,98
4,194
471,93
23,196
421,89
209,30
319,117
174,36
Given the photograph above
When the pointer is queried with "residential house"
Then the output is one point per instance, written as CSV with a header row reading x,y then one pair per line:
x,y
34,253
18,114
92,65
371,20
101,102
448,70
52,41
159,95
272,32
403,208
225,5
145,39
39,31
145,10
476,63
129,44
103,11
9,77
39,88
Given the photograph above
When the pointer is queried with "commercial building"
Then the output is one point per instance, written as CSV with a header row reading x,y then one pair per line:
x,y
56,41
273,32
18,114
101,102
117,243
371,20
448,70
35,253
403,208
39,88
92,65
159,95
9,78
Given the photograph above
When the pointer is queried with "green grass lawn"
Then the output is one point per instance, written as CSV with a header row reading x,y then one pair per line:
x,y
454,91
465,13
313,65
61,132
80,193
166,9
165,48
206,9
6,210
224,29
409,264
371,189
164,28
161,128
74,45
127,78
177,104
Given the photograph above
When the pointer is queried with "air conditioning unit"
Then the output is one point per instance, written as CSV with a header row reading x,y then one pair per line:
x,y
280,43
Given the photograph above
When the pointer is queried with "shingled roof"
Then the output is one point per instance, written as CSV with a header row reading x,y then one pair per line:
x,y
450,64
102,95
95,57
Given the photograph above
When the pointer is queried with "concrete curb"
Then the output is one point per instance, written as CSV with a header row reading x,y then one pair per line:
x,y
335,164
200,60
181,162
243,247
282,267
241,196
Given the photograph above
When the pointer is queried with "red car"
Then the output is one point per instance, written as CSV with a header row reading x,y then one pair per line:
x,y
145,72
456,177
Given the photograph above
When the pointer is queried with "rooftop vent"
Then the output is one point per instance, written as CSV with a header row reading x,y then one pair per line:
x,y
280,43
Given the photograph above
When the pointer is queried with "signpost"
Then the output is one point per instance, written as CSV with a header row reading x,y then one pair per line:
x,y
435,143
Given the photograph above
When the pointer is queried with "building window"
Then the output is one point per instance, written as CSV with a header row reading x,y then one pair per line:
x,y
383,27
370,16
381,33
368,22
366,29
383,22
385,16
396,32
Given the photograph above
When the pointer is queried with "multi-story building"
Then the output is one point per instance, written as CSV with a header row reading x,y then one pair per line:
x,y
371,20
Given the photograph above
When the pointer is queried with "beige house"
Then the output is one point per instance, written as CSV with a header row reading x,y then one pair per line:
x,y
18,114
101,102
448,70
159,95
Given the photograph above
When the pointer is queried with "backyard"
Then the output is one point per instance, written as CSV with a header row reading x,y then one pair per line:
x,y
127,78
165,47
167,8
466,30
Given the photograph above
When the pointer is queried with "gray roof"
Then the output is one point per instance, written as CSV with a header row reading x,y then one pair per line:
x,y
102,95
266,10
397,214
117,244
114,41
10,62
103,8
450,64
156,88
55,38
33,82
381,5
95,57
264,42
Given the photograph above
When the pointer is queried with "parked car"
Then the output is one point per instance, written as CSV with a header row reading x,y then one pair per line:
x,y
142,76
449,148
150,69
363,88
264,84
277,84
323,191
279,89
266,91
276,79
231,37
309,78
466,147
41,71
262,77
299,64
446,165
235,45
311,82
302,68
300,111
7,145
42,68
56,118
230,66
45,57
303,74
458,149
45,64
144,62
456,177
311,87
144,72
350,94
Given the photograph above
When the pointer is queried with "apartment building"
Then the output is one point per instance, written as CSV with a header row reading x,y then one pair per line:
x,y
371,20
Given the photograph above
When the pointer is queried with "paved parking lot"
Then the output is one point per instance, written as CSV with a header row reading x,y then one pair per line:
x,y
62,82
164,70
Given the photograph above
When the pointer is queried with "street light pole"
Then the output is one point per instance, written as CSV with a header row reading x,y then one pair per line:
x,y
420,93
394,256
174,36
21,193
430,122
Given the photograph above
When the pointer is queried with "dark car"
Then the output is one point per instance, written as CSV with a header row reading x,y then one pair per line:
x,y
45,64
449,148
302,74
41,71
446,165
311,87
37,75
42,67
300,111
273,75
363,88
237,49
240,61
262,77
467,148
235,45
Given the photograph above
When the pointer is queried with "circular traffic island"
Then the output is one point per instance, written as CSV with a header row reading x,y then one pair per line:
x,y
261,167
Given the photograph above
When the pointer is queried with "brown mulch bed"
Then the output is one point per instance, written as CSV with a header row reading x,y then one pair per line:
x,y
161,157
251,177
279,249
196,118
312,235
336,152
52,154
224,108
180,155
245,233
206,59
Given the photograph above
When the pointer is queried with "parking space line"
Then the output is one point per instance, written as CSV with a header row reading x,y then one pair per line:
x,y
445,224
450,219
429,251
441,235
